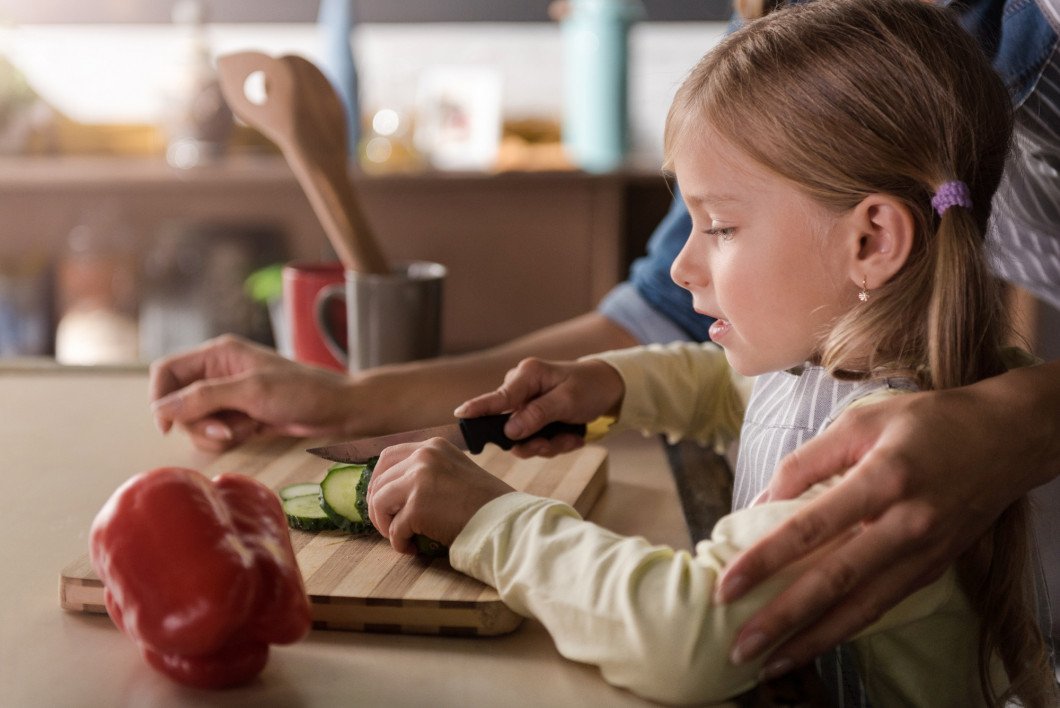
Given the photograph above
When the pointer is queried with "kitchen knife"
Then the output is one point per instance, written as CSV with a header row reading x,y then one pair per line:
x,y
470,434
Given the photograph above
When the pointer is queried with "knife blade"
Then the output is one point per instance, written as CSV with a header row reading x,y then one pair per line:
x,y
470,434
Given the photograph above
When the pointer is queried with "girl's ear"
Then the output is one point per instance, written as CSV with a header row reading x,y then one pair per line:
x,y
882,231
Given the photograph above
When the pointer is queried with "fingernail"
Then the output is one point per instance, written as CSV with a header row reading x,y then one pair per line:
x,y
729,588
162,424
460,410
747,648
514,430
776,668
166,405
217,431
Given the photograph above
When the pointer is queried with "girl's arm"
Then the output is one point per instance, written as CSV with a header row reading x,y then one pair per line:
x,y
644,614
684,390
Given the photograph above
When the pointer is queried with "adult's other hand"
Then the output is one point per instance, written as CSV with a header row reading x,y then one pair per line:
x,y
926,474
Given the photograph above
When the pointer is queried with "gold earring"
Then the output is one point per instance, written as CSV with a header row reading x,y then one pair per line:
x,y
864,294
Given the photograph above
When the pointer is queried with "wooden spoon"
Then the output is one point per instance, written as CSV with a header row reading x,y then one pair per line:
x,y
304,117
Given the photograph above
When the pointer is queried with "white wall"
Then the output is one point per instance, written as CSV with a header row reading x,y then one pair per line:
x,y
115,73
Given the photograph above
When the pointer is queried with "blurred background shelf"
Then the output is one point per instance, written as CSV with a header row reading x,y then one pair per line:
x,y
524,249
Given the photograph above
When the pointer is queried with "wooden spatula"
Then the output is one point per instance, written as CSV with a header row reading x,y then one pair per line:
x,y
304,117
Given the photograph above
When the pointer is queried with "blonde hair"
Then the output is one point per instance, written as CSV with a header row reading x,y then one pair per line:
x,y
847,98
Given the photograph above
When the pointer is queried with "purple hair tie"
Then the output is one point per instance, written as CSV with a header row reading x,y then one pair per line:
x,y
951,194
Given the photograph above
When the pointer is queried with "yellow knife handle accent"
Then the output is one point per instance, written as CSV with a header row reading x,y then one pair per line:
x,y
598,428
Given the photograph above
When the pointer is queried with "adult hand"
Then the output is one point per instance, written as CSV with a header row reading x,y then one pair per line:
x,y
228,389
926,475
430,489
538,393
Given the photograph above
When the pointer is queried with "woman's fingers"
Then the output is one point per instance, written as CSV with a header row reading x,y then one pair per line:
x,y
221,431
841,594
852,501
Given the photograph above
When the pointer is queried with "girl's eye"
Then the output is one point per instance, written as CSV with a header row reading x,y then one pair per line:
x,y
725,233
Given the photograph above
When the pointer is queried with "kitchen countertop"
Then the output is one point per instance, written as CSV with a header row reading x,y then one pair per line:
x,y
70,436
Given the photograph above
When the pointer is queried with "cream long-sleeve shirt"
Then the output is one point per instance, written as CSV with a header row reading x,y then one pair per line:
x,y
645,615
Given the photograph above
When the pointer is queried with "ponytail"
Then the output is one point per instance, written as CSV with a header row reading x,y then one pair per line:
x,y
966,330
965,325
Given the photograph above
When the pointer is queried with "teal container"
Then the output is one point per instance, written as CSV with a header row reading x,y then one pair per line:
x,y
596,66
335,23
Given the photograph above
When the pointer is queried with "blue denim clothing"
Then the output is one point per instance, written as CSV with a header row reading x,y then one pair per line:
x,y
650,275
1017,37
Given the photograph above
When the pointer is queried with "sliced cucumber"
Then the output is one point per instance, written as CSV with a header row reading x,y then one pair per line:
x,y
342,497
429,547
305,489
305,513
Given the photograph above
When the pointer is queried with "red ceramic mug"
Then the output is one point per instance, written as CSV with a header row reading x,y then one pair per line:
x,y
303,282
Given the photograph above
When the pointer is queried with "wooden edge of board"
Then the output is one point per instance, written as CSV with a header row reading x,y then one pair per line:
x,y
463,619
81,593
81,590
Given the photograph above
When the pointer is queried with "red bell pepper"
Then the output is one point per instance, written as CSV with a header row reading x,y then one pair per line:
x,y
200,574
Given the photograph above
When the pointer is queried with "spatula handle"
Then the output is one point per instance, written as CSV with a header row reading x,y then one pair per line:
x,y
490,428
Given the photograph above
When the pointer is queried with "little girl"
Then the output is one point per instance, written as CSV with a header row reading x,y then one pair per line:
x,y
838,160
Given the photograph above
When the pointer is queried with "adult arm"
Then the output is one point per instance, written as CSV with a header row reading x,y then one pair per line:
x,y
928,473
228,389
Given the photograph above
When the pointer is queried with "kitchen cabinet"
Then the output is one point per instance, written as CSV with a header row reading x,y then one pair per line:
x,y
523,249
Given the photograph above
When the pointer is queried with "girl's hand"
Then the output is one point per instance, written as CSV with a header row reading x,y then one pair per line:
x,y
229,389
430,489
538,393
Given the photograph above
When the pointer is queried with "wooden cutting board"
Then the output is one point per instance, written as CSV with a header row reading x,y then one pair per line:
x,y
360,583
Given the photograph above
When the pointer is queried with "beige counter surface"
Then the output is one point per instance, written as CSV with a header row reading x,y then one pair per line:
x,y
69,437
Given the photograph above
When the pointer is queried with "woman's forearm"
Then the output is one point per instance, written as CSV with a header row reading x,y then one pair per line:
x,y
424,393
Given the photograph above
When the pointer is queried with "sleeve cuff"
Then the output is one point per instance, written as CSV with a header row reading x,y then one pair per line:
x,y
486,528
627,308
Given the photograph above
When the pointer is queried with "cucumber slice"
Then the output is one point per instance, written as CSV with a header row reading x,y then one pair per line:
x,y
342,497
429,547
305,513
305,489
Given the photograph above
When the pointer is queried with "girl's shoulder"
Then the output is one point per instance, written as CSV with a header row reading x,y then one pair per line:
x,y
873,390
884,386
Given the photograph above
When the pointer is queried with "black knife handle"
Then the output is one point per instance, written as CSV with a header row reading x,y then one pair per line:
x,y
490,428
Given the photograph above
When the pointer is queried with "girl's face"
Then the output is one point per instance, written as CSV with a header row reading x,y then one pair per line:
x,y
759,258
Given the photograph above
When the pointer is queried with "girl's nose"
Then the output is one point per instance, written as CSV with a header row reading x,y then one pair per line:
x,y
683,270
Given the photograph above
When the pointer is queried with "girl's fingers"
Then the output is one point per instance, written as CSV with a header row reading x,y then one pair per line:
x,y
385,500
549,447
400,533
490,403
388,467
